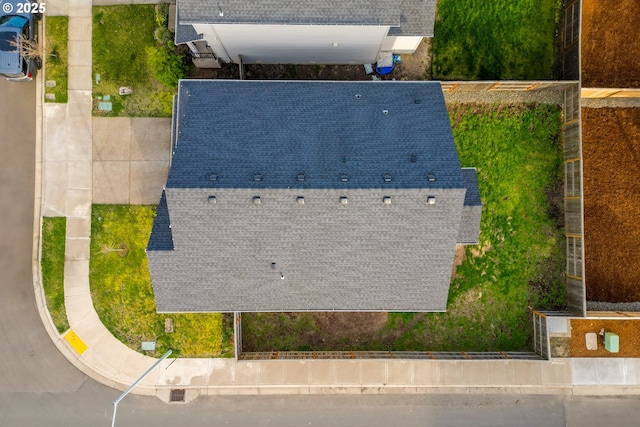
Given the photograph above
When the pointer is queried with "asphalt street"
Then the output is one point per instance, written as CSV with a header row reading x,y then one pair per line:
x,y
39,387
29,360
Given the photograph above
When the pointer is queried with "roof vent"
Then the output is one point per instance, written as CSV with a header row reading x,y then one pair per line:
x,y
301,177
414,158
385,112
300,200
386,200
343,159
257,177
344,200
431,177
257,200
418,101
273,265
212,200
387,177
344,177
431,200
358,96
213,177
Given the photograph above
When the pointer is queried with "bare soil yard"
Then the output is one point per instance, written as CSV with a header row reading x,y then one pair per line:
x,y
627,330
412,67
611,152
610,43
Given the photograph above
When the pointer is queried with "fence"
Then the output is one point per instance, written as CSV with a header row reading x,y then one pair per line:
x,y
570,36
599,93
237,334
541,344
400,355
614,315
505,85
573,203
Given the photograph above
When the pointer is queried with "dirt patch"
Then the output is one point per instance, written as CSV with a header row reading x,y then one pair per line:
x,y
412,67
610,43
319,331
611,153
458,258
627,330
358,327
560,346
416,66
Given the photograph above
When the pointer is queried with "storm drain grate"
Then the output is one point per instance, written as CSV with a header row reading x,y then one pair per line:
x,y
177,395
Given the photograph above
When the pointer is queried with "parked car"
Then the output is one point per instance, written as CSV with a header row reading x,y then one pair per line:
x,y
19,53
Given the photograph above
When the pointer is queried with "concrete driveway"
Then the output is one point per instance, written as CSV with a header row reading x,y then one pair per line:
x,y
130,159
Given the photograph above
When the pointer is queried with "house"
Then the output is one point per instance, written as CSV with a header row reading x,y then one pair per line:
x,y
295,196
301,32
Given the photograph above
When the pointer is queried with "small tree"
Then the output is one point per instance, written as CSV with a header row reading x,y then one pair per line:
x,y
29,49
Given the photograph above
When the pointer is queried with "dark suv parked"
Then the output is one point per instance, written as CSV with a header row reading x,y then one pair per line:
x,y
19,56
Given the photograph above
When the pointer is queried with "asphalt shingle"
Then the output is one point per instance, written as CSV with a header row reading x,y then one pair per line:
x,y
320,141
287,12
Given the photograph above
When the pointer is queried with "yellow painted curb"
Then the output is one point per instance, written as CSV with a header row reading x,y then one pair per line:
x,y
74,340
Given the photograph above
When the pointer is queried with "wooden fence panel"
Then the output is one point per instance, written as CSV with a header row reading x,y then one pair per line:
x,y
576,296
571,138
574,257
571,110
572,179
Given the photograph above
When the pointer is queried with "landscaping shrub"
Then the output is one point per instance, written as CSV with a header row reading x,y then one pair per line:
x,y
162,35
166,66
162,14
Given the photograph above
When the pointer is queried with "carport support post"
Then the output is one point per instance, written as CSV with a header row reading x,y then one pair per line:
x,y
127,391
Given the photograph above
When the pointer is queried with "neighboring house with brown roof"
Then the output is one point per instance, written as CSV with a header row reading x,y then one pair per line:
x,y
296,196
302,32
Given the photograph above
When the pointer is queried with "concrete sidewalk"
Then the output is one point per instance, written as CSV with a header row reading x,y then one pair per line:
x,y
81,153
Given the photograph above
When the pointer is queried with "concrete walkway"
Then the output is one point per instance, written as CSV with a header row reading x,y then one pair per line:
x,y
77,149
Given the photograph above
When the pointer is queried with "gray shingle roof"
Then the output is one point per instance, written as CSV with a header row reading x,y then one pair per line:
x,y
362,255
161,238
356,12
417,18
320,129
185,32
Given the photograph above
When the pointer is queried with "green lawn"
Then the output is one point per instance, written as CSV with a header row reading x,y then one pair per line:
x,y
121,37
496,39
56,56
123,296
52,263
518,264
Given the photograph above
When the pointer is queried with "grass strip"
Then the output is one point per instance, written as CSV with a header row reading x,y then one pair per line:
x,y
56,57
52,264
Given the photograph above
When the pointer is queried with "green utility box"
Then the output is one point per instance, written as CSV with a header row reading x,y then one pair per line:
x,y
611,342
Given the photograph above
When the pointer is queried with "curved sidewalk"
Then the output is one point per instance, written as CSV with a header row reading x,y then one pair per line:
x,y
65,167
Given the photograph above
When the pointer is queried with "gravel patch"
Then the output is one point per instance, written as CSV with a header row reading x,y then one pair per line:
x,y
611,102
613,306
506,96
